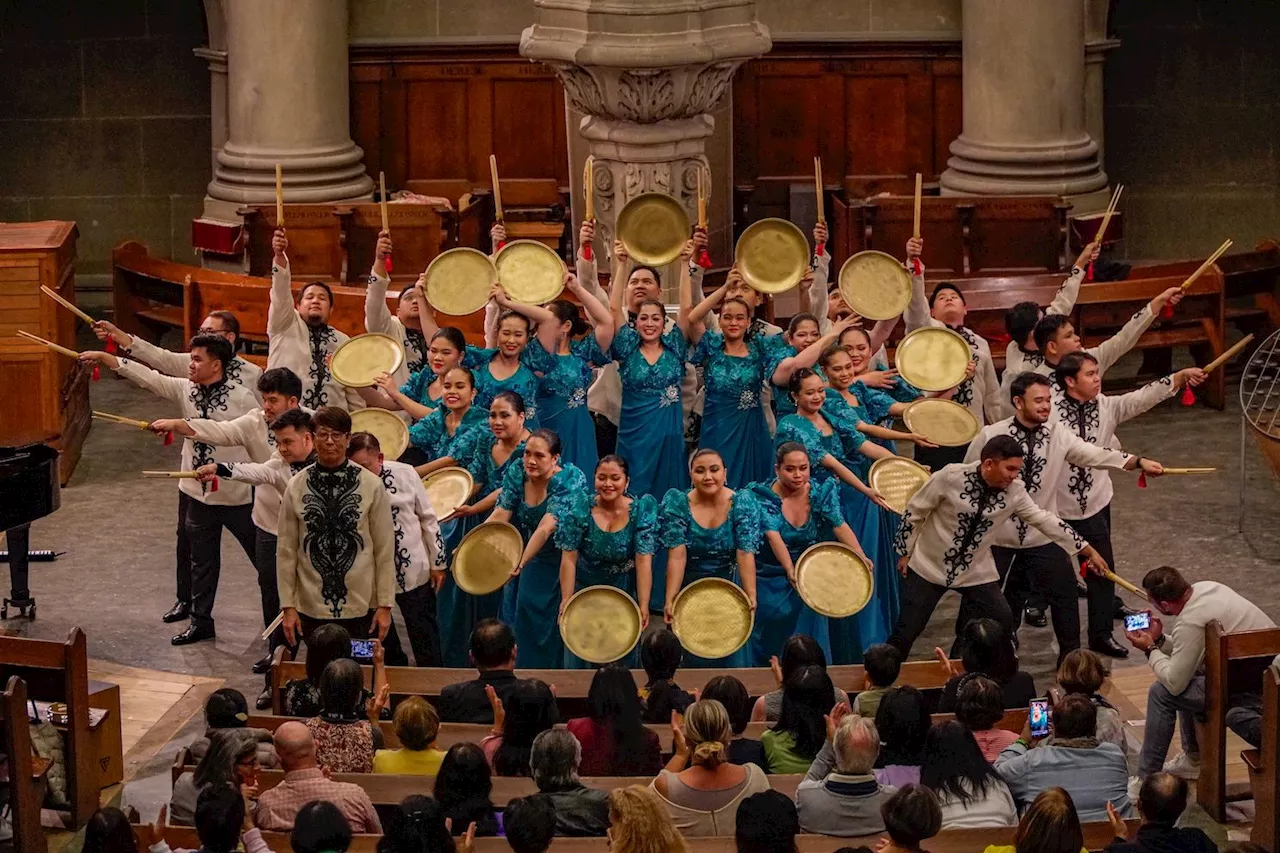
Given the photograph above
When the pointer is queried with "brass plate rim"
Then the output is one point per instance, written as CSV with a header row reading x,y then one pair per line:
x,y
857,305
349,381
895,461
706,582
918,334
596,589
639,255
938,402
806,558
517,246
453,471
761,225
446,257
402,434
474,532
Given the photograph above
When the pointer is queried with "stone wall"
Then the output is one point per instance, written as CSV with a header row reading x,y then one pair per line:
x,y
1193,115
104,119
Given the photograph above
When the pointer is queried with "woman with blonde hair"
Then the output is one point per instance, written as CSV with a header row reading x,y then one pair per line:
x,y
416,725
639,824
699,786
1049,825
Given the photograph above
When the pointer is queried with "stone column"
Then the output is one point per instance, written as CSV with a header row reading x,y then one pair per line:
x,y
1096,47
1024,119
287,103
645,76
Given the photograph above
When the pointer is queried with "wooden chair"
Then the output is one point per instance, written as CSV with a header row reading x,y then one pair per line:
x,y
28,774
1233,663
1264,768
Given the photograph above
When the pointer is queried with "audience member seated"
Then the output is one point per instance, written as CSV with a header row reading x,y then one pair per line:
x,y
639,823
1244,717
794,741
1093,773
980,706
493,653
304,781
416,726
733,695
767,823
911,815
320,828
1049,825
881,662
230,760
703,798
416,826
1178,691
987,649
661,655
528,711
580,811
969,790
345,742
1161,801
227,709
464,789
614,739
840,795
902,721
326,644
108,831
1082,672
798,652
530,823
222,823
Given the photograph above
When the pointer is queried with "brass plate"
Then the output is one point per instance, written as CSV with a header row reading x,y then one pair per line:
x,y
448,489
654,228
485,557
531,272
712,617
833,580
875,285
932,359
601,624
897,479
459,281
391,432
944,422
363,358
772,255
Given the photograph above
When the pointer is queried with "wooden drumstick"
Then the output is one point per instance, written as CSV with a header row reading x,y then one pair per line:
x,y
1228,355
497,191
169,475
1119,581
817,183
589,186
915,232
1168,471
119,419
1106,218
279,196
70,306
382,196
702,203
1226,244
275,623
58,348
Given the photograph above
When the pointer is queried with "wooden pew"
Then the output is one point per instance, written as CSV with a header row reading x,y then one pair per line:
x,y
1233,663
1264,768
28,774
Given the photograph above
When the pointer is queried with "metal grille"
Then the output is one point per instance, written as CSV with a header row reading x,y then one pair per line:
x,y
1260,389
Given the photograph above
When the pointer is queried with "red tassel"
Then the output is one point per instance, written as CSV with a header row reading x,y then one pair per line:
x,y
820,249
1166,312
586,251
1088,272
917,267
500,245
168,439
1142,480
704,260
1188,396
111,345
213,484
97,372
387,263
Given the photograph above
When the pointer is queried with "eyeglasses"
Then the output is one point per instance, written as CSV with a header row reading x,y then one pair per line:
x,y
204,330
326,436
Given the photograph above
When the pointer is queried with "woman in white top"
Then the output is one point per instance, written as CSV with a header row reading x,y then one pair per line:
x,y
970,791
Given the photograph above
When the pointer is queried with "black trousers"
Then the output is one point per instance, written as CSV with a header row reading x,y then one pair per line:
x,y
920,597
1050,570
418,607
358,627
204,531
936,458
1096,530
268,585
183,567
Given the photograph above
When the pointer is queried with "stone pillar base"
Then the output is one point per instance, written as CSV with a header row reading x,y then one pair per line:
x,y
1066,167
248,175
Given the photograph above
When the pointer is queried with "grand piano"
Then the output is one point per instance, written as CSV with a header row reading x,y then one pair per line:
x,y
29,490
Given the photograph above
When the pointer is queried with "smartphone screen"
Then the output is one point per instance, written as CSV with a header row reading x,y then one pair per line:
x,y
1137,622
1040,717
362,649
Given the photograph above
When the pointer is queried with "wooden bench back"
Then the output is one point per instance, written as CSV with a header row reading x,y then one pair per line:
x,y
26,786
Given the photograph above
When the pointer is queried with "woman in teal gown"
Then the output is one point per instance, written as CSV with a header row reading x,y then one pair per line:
x,y
456,414
609,540
792,496
710,531
535,495
488,452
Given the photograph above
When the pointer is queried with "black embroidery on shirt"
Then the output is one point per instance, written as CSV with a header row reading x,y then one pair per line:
x,y
971,526
295,467
207,399
415,349
1084,418
1033,462
331,507
322,337
964,392
402,553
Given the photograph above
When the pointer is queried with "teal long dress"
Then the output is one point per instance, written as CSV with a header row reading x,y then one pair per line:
x,y
431,435
418,388
531,602
782,612
733,420
712,553
562,396
524,382
608,558
459,611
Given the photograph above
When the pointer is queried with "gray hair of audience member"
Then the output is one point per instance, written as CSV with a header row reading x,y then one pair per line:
x,y
227,749
554,759
856,744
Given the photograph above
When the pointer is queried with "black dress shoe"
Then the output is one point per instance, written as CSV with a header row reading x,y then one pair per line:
x,y
260,667
181,610
1035,617
264,700
193,634
1109,647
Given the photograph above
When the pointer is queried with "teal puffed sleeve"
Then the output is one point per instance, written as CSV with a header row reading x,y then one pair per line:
x,y
745,515
674,519
644,515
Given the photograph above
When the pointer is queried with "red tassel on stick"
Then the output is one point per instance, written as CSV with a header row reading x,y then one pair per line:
x,y
917,267
1142,480
1166,312
97,372
1088,272
213,484
111,345
1188,396
587,253
820,249
168,439
704,260
387,263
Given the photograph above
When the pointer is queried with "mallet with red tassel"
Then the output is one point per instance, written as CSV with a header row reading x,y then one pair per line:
x,y
1114,578
1167,312
1188,396
497,198
178,475
704,257
1102,229
589,190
